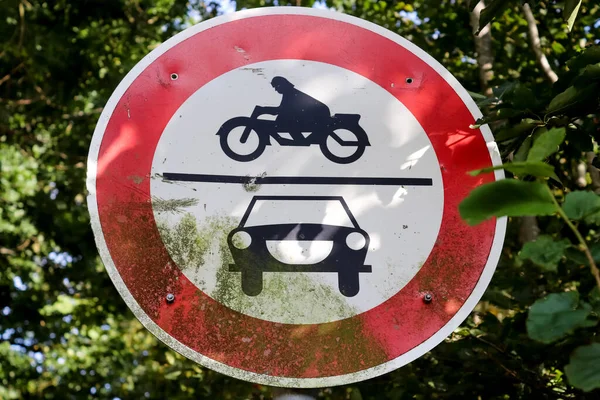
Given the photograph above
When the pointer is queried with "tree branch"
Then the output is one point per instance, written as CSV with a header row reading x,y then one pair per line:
x,y
294,394
483,47
534,37
22,28
582,243
7,76
594,172
529,229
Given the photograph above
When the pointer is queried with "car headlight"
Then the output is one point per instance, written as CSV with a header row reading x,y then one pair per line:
x,y
356,241
241,240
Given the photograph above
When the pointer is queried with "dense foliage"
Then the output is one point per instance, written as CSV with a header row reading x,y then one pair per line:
x,y
67,334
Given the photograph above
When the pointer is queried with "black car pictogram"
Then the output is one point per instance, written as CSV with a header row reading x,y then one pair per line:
x,y
252,257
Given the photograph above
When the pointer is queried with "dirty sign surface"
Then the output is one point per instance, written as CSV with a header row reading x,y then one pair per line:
x,y
274,193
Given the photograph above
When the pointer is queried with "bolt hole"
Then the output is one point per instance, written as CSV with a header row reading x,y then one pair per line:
x,y
409,80
174,77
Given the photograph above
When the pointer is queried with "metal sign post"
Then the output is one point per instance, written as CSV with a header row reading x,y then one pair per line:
x,y
274,193
291,394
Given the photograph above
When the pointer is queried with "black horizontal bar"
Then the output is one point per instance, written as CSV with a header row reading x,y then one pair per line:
x,y
297,180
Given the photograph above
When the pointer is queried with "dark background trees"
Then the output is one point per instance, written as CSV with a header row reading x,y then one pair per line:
x,y
67,334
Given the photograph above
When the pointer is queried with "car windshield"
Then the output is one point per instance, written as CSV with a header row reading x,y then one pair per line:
x,y
291,210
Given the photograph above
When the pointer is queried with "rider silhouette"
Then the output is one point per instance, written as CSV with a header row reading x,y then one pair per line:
x,y
297,112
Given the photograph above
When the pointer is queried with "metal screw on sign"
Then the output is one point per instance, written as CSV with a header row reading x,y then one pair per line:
x,y
170,298
427,298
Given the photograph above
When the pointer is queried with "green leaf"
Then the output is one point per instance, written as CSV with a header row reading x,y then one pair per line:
x,y
521,154
594,298
170,358
520,97
579,141
558,48
172,375
570,12
505,88
593,219
533,168
563,100
546,144
545,252
583,369
581,204
497,115
516,95
556,315
513,131
493,9
93,334
572,97
64,305
355,394
477,96
488,101
499,298
590,73
576,255
591,55
507,197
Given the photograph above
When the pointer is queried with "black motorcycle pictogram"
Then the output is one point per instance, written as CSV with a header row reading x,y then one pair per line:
x,y
340,137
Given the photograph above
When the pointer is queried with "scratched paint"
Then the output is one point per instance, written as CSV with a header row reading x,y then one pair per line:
x,y
172,205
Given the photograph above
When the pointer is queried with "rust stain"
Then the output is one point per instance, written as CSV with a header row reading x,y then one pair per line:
x,y
134,243
136,179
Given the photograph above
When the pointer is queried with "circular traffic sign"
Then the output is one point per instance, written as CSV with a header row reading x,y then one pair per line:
x,y
274,194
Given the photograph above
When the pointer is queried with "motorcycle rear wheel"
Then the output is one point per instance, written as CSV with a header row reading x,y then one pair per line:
x,y
343,159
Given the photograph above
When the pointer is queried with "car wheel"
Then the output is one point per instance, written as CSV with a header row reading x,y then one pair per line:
x,y
348,282
252,281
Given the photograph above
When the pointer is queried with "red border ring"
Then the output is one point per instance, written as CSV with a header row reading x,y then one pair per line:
x,y
369,344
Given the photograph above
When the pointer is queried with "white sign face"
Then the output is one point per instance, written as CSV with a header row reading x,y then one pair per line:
x,y
401,221
275,195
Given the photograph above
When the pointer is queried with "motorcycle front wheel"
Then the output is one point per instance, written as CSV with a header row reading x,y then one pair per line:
x,y
343,146
231,134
